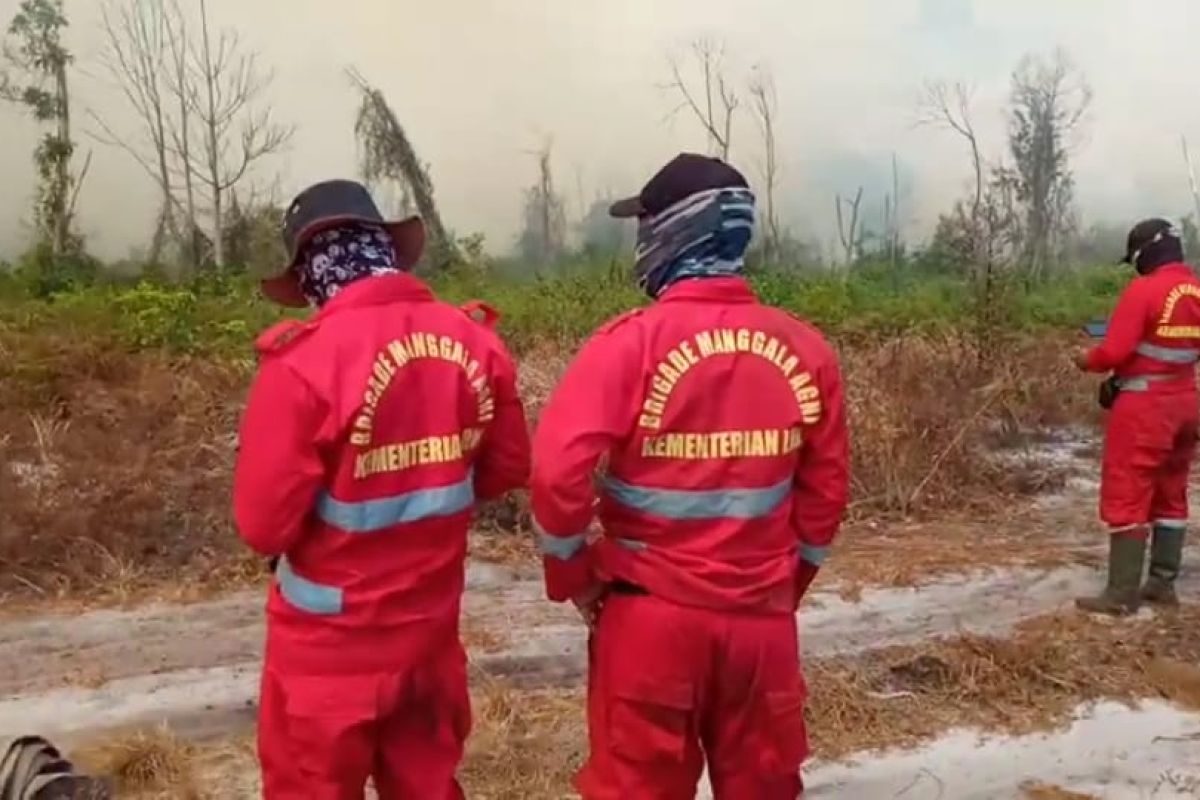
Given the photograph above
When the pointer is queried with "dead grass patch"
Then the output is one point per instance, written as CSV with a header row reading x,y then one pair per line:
x,y
116,484
525,745
149,764
1031,681
1045,791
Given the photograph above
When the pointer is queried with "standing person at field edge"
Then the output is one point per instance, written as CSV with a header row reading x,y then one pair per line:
x,y
370,432
1151,347
722,426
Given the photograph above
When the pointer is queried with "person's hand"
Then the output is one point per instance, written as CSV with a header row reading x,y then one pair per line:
x,y
588,603
805,573
1080,359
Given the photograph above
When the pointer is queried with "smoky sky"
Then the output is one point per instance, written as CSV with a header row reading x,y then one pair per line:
x,y
481,84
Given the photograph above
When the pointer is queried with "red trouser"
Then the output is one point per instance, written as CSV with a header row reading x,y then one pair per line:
x,y
321,737
669,685
1148,447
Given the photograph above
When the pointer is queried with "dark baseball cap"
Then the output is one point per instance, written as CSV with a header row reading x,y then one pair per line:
x,y
1146,233
685,175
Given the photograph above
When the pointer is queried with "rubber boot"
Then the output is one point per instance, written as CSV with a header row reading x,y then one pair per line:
x,y
1166,555
1122,595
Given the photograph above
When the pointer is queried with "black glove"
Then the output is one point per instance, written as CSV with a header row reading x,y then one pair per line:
x,y
1109,389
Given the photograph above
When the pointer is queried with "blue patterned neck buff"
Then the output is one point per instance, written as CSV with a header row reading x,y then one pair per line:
x,y
703,235
335,258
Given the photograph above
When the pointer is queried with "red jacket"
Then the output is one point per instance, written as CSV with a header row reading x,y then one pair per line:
x,y
722,425
1153,338
369,434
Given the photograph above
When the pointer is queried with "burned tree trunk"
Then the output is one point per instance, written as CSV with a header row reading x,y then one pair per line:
x,y
388,155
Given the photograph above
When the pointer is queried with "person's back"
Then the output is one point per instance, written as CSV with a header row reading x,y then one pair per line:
x,y
720,423
405,388
725,396
369,434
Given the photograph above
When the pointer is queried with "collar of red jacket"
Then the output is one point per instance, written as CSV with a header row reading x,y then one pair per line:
x,y
381,289
722,290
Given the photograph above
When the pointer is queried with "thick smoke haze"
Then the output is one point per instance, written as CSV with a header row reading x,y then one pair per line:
x,y
481,83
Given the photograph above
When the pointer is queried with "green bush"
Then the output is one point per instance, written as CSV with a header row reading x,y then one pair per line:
x,y
220,313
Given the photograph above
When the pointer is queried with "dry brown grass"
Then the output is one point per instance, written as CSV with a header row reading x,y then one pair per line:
x,y
116,471
147,764
1045,791
118,465
1031,681
525,745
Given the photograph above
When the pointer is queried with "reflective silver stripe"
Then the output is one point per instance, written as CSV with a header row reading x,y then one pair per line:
x,y
1141,383
1169,355
1171,524
711,504
813,554
633,545
369,516
315,598
561,547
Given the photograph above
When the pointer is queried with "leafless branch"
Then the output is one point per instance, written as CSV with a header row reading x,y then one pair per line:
x,y
714,101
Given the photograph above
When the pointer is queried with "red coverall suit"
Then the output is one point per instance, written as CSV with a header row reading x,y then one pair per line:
x,y
369,434
1152,344
723,426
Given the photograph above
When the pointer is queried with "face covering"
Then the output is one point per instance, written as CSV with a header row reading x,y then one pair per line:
x,y
335,258
703,235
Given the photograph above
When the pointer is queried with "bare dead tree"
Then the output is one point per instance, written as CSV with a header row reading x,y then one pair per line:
x,y
178,82
948,106
388,156
136,57
850,236
1191,175
765,105
1048,106
713,101
223,91
543,237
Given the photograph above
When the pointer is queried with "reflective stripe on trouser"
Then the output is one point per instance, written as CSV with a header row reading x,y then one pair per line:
x,y
321,736
368,517
703,684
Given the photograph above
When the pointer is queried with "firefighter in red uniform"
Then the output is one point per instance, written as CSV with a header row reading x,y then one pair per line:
x,y
721,425
1151,348
370,433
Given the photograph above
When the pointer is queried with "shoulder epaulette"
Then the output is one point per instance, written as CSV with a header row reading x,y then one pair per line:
x,y
283,334
481,312
620,320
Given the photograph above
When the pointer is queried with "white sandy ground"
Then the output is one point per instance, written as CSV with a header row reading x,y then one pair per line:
x,y
200,699
1111,751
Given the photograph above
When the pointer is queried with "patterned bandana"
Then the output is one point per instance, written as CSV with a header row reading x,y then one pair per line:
x,y
335,258
703,235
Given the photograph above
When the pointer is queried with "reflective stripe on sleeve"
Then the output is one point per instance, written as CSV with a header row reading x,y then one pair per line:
x,y
563,548
306,595
813,554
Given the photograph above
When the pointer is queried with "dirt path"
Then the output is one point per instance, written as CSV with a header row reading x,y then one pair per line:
x,y
197,667
80,678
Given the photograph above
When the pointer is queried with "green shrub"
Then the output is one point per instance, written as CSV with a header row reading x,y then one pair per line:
x,y
219,313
